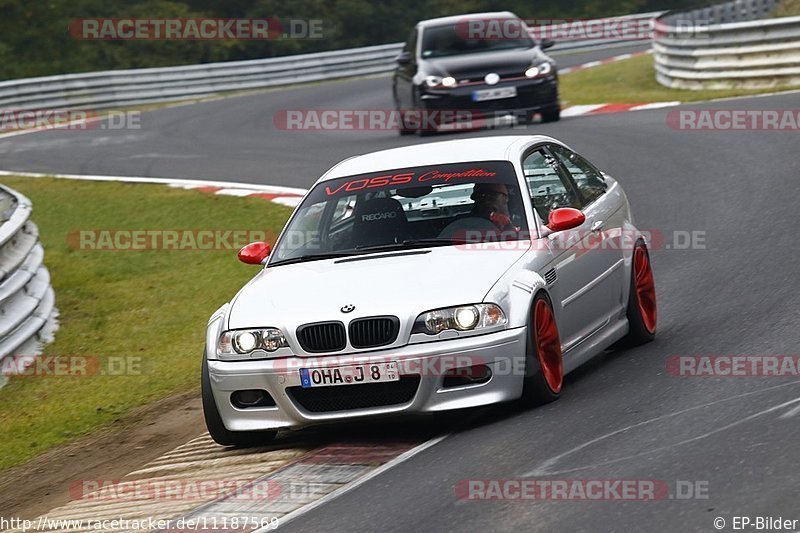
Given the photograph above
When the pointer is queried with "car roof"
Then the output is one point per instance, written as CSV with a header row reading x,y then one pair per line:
x,y
460,18
494,148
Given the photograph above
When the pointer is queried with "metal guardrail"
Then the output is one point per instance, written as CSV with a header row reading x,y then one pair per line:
x,y
121,88
27,301
727,46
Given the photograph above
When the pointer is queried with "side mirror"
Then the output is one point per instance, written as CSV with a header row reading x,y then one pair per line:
x,y
565,218
404,58
254,253
544,44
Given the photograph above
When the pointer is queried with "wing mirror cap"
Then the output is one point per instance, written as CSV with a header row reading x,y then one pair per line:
x,y
565,218
255,253
404,58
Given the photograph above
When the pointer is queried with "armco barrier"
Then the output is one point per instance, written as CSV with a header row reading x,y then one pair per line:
x,y
120,88
27,301
727,46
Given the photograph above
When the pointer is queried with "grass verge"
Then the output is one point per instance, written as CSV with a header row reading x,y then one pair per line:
x,y
147,308
632,81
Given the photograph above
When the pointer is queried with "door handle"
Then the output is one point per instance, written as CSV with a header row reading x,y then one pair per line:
x,y
597,225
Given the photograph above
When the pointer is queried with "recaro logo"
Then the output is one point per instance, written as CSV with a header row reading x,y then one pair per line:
x,y
378,216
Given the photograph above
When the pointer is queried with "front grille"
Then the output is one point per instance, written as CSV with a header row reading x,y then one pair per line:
x,y
374,331
322,337
349,397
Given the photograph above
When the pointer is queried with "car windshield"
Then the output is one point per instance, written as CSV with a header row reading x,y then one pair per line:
x,y
405,208
470,38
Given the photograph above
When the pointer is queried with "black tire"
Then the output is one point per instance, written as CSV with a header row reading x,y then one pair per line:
x,y
217,429
403,128
536,390
638,333
551,115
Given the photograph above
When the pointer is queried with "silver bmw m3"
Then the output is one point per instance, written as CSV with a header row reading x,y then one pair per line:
x,y
428,278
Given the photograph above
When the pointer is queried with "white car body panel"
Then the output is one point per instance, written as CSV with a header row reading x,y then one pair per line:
x,y
588,295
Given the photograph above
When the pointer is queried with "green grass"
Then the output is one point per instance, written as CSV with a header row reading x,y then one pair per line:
x,y
631,81
149,304
787,8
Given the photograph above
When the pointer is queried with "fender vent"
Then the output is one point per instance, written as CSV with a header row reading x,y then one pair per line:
x,y
550,277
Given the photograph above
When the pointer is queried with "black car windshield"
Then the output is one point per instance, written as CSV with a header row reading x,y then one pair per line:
x,y
438,205
469,38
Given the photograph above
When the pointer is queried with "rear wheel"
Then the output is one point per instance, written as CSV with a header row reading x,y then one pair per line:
x,y
544,365
642,310
217,429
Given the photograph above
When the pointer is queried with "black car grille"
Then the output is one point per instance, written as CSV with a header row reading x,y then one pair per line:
x,y
373,332
322,337
349,397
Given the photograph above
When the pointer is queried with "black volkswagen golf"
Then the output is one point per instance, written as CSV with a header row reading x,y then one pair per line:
x,y
483,65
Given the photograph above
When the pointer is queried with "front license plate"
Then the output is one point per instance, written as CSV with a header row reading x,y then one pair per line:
x,y
349,375
494,94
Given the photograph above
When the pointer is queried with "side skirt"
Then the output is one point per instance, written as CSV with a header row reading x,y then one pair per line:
x,y
593,345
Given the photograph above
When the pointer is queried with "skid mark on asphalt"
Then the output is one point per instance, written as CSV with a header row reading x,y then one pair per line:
x,y
203,480
546,468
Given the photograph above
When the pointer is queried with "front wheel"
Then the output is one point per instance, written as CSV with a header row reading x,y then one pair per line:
x,y
642,310
544,362
217,429
551,115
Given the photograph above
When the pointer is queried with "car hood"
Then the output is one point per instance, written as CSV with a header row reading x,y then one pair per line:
x,y
403,284
470,66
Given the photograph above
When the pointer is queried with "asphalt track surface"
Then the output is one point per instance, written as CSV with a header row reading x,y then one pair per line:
x,y
622,416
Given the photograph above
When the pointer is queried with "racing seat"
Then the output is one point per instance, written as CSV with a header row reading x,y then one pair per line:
x,y
379,221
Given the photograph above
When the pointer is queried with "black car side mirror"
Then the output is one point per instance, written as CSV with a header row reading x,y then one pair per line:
x,y
404,58
544,44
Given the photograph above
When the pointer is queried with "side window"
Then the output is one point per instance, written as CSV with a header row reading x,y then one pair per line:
x,y
589,180
548,187
411,43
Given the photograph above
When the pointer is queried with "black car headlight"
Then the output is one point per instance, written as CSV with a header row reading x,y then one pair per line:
x,y
246,341
461,318
540,70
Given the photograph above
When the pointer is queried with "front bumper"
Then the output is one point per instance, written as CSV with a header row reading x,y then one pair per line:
x,y
533,95
503,352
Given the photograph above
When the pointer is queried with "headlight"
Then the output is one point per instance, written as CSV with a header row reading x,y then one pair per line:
x,y
245,341
461,318
436,81
540,70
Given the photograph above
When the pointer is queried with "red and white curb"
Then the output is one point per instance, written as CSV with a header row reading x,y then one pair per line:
x,y
203,486
288,196
606,61
600,109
